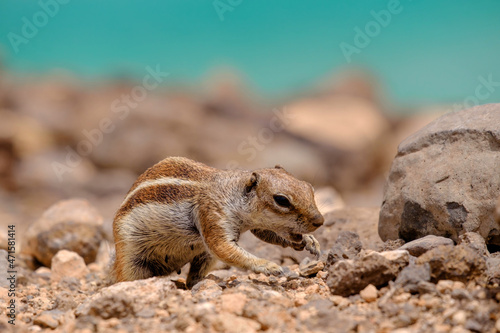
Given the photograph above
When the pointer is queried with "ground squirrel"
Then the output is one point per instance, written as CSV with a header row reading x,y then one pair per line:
x,y
181,211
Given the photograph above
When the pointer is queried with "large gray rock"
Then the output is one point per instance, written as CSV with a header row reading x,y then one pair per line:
x,y
445,179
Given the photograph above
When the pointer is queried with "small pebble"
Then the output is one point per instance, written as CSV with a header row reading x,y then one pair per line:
x,y
401,298
309,268
312,289
340,301
322,274
369,294
460,294
460,317
46,320
444,285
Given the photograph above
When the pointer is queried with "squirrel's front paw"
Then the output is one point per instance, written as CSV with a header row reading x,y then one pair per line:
x,y
312,245
268,268
309,243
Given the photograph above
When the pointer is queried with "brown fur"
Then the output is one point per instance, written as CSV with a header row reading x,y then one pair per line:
x,y
182,211
161,193
175,167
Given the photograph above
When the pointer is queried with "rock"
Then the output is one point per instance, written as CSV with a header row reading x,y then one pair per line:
x,y
69,283
233,324
346,128
65,301
459,263
206,289
289,274
341,121
459,318
111,306
419,246
474,326
49,319
67,264
43,271
347,246
369,294
426,288
349,277
203,309
124,298
402,128
399,257
493,271
444,180
233,303
475,241
328,199
461,294
72,225
322,275
146,313
392,244
272,318
310,267
320,315
412,277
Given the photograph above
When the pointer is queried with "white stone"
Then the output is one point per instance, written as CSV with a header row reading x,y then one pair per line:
x,y
68,264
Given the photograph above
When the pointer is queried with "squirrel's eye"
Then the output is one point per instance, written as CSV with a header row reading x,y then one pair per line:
x,y
282,201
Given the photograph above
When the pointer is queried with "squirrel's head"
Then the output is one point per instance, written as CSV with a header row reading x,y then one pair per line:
x,y
282,203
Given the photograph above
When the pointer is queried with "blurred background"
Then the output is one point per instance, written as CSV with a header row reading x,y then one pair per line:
x,y
94,92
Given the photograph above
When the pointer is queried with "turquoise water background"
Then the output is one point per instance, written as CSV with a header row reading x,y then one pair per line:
x,y
429,52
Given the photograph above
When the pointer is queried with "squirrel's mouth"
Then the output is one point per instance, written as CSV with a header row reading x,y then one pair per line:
x,y
295,238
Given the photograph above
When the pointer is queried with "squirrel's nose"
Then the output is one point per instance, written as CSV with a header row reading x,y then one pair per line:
x,y
318,220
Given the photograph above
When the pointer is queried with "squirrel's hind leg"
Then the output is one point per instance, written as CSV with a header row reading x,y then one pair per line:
x,y
200,266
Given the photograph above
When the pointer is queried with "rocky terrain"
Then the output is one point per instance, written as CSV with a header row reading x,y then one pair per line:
x,y
418,254
427,285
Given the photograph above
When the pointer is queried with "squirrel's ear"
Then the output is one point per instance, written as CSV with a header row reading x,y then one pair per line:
x,y
252,182
277,166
